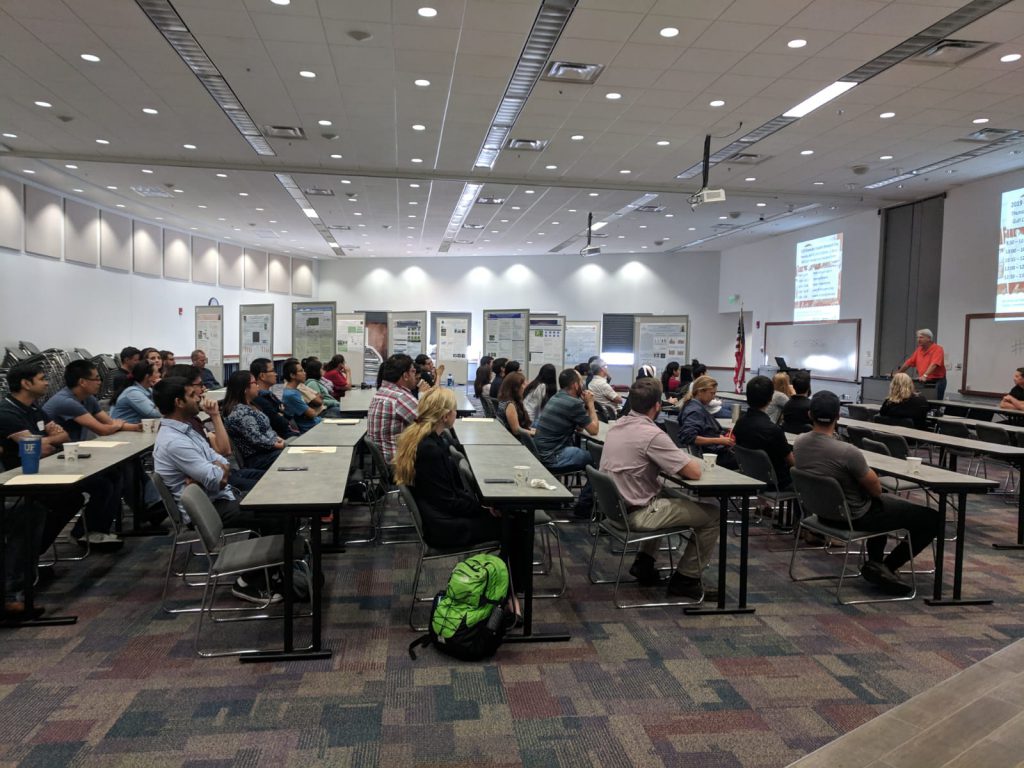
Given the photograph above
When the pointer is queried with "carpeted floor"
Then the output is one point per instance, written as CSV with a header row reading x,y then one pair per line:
x,y
640,687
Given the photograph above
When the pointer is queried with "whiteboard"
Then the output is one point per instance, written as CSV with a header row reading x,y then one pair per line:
x,y
827,350
993,348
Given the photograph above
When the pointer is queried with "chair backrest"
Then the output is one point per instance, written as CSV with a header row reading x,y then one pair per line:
x,y
607,498
954,429
896,444
797,428
821,496
875,446
671,427
490,407
381,468
203,515
170,505
990,433
414,510
856,434
596,449
880,419
756,464
859,412
605,413
236,455
467,476
527,439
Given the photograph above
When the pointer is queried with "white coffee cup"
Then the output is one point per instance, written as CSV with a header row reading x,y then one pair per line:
x,y
521,474
150,425
914,465
710,459
71,453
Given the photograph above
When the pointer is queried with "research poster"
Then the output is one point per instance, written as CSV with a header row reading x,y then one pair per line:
x,y
547,342
818,283
505,333
313,330
256,337
582,341
661,342
452,338
210,337
407,337
1010,277
350,340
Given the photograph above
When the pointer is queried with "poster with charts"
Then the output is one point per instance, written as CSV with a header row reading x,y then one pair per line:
x,y
818,283
659,340
256,333
505,333
546,342
582,341
350,340
407,333
1010,278
210,338
313,329
452,338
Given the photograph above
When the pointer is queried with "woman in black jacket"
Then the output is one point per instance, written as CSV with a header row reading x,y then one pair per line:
x,y
904,406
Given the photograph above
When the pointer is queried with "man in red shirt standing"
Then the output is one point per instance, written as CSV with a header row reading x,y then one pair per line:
x,y
930,362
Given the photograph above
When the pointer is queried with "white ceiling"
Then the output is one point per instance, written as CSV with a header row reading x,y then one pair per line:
x,y
734,51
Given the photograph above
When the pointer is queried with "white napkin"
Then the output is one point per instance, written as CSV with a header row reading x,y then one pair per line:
x,y
540,482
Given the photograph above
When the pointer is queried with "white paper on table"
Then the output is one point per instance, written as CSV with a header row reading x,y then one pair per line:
x,y
44,479
339,421
101,444
313,449
476,420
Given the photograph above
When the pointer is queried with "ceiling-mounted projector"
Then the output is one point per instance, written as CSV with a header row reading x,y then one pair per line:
x,y
710,196
590,250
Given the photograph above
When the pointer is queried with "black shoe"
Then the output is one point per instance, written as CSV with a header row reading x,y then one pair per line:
x,y
644,571
582,513
253,593
687,586
882,577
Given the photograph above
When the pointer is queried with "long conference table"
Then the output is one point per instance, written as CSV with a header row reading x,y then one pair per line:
x,y
356,402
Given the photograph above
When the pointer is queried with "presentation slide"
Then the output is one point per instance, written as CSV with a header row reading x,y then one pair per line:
x,y
1010,279
818,283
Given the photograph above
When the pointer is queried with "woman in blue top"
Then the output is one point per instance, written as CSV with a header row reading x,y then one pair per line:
x,y
135,401
295,407
699,430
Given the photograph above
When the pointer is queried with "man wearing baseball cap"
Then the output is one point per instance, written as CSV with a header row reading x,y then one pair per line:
x,y
820,452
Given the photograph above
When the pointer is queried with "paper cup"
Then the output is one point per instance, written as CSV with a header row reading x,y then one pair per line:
x,y
71,453
914,465
710,459
150,425
521,475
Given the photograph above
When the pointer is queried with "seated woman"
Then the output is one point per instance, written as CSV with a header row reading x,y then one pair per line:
x,y
699,430
483,376
338,375
670,379
248,426
783,391
540,390
314,372
510,404
904,407
135,401
1014,399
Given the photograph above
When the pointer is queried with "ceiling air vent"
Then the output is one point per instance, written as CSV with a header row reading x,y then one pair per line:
x,y
649,208
284,132
986,135
319,192
152,191
464,242
950,53
527,145
572,72
490,200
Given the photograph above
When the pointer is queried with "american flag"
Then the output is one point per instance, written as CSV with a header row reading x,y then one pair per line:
x,y
739,376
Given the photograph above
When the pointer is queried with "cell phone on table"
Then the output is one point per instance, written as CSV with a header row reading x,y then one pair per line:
x,y
503,480
292,469
81,455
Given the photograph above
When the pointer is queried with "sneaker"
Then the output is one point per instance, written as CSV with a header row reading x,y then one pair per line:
x,y
102,539
252,593
687,586
882,577
644,571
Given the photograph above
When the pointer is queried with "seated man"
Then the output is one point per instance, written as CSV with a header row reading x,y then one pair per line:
x,y
183,457
821,453
129,357
428,373
756,431
795,418
263,371
604,395
295,406
635,454
570,409
393,408
199,361
1014,399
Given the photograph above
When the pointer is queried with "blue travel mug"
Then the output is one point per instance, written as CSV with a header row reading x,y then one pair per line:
x,y
30,449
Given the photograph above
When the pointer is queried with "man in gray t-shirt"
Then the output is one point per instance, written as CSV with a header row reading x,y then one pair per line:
x,y
820,452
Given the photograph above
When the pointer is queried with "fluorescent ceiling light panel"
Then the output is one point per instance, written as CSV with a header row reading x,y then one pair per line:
x,y
822,97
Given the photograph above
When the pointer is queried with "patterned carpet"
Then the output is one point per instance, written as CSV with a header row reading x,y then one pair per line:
x,y
644,687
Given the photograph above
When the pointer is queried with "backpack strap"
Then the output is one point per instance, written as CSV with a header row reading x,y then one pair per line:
x,y
424,640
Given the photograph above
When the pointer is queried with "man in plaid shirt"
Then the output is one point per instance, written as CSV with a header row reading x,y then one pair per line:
x,y
393,408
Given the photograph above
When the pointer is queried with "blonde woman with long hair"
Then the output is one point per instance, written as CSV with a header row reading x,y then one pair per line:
x,y
698,428
904,406
783,391
452,515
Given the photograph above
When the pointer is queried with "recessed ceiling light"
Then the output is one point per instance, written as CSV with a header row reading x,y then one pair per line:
x,y
76,189
670,215
409,226
593,194
572,210
307,73
10,135
529,191
102,141
272,221
159,218
280,2
691,229
111,186
494,232
419,127
555,223
345,181
195,228
819,183
189,146
221,175
411,216
980,120
357,213
668,32
716,103
577,137
90,57
30,172
71,166
504,221
421,83
761,205
723,218
427,12
150,111
798,43
540,233
515,207
44,104
551,167
416,160
625,170
179,191
243,194
147,170
1010,58
806,151
414,185
885,157
201,206
335,157
221,218
621,237
324,123
413,202
259,209
887,115
119,205
284,231
613,96
751,178
663,142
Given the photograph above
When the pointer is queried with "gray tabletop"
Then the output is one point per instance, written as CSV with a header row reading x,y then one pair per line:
x,y
356,402
974,406
100,460
321,485
972,422
486,432
498,462
326,433
935,438
718,479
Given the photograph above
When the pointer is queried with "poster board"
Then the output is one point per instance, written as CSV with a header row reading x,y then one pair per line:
x,y
255,333
350,341
658,339
582,341
407,333
209,337
505,333
546,343
313,329
993,347
451,333
828,350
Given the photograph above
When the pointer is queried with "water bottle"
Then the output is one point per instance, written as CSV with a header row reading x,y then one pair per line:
x,y
451,381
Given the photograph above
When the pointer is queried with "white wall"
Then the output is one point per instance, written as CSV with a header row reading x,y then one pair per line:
x,y
970,252
763,272
580,289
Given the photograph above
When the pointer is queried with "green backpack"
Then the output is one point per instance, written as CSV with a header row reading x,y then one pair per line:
x,y
469,619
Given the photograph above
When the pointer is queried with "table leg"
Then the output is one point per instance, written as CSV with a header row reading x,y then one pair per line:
x,y
138,505
958,560
1020,512
723,548
526,560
